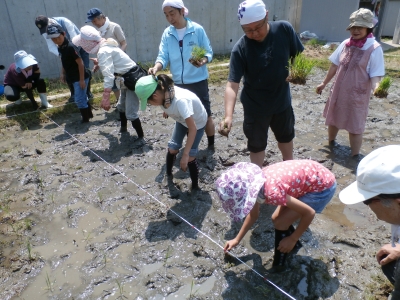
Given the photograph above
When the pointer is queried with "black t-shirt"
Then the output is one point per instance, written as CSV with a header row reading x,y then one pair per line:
x,y
69,53
264,66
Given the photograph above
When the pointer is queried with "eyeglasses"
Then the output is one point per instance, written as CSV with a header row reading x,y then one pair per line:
x,y
251,31
369,201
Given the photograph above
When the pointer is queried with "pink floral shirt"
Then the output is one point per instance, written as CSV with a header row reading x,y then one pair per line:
x,y
295,178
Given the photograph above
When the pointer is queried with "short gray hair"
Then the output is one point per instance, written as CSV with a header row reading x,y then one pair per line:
x,y
100,16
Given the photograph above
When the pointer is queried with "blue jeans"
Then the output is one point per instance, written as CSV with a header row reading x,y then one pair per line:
x,y
179,134
81,99
319,200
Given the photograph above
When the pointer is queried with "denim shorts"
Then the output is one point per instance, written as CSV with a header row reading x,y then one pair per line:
x,y
319,200
179,134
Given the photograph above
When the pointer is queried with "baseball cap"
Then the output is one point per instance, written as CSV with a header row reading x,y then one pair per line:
x,y
93,13
251,11
362,18
24,60
144,88
377,173
41,22
238,188
54,30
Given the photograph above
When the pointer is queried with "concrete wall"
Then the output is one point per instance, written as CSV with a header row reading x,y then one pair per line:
x,y
327,19
390,18
142,21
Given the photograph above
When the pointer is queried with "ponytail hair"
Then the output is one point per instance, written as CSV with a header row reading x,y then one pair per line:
x,y
164,82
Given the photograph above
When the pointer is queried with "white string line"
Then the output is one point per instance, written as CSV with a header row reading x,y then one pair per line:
x,y
165,205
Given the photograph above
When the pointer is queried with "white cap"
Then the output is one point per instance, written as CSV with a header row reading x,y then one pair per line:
x,y
377,173
251,11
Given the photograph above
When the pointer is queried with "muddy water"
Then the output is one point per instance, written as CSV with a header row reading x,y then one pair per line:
x,y
94,233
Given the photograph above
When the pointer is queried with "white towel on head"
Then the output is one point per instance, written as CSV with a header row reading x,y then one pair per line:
x,y
251,11
176,4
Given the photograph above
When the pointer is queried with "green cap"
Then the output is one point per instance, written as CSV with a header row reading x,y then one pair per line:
x,y
144,88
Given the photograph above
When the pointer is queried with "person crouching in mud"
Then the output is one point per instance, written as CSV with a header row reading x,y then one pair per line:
x,y
300,188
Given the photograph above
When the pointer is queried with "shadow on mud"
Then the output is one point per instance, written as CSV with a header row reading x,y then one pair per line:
x,y
305,278
341,155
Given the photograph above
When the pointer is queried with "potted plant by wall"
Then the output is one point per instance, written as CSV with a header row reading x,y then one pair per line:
x,y
300,69
382,90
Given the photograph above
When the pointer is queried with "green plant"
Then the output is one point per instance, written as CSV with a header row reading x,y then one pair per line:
x,y
315,42
192,292
49,283
198,53
168,254
121,290
70,212
382,90
300,69
29,248
86,237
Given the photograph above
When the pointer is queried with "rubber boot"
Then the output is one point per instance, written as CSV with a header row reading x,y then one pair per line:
x,y
298,243
85,115
170,162
18,102
72,91
124,122
88,92
278,264
138,127
90,113
43,100
194,173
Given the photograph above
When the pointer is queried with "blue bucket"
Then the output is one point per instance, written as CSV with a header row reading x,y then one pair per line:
x,y
1,90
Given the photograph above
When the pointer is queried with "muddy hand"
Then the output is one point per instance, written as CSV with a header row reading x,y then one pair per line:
x,y
224,128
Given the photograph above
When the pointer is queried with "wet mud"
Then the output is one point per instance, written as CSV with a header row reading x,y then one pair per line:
x,y
90,214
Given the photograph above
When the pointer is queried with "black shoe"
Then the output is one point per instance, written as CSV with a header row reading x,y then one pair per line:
x,y
333,144
123,129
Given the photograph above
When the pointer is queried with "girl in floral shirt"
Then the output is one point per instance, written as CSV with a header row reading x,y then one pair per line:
x,y
300,188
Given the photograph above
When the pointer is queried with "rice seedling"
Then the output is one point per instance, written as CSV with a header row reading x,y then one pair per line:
x,y
29,248
193,292
168,255
197,54
299,69
121,290
86,237
49,283
383,89
70,212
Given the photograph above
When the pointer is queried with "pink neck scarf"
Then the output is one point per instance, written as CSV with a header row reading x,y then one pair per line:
x,y
358,43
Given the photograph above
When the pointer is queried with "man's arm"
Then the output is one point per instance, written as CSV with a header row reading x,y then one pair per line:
x,y
231,92
81,69
123,45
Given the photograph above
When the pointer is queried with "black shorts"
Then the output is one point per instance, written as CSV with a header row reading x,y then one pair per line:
x,y
256,128
201,90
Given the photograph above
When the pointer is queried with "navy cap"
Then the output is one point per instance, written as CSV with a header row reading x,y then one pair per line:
x,y
41,22
54,30
93,13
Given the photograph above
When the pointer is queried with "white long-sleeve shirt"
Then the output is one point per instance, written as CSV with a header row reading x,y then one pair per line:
x,y
113,60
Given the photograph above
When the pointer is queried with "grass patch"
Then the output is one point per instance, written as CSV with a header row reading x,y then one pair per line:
x,y
315,43
379,288
300,69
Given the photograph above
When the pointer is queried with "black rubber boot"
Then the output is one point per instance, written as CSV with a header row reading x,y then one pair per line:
x,y
72,91
138,127
194,173
170,162
88,92
89,109
211,139
298,243
124,122
278,264
85,116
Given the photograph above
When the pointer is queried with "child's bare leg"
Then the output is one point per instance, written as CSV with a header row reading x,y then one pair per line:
x,y
283,217
286,150
257,158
